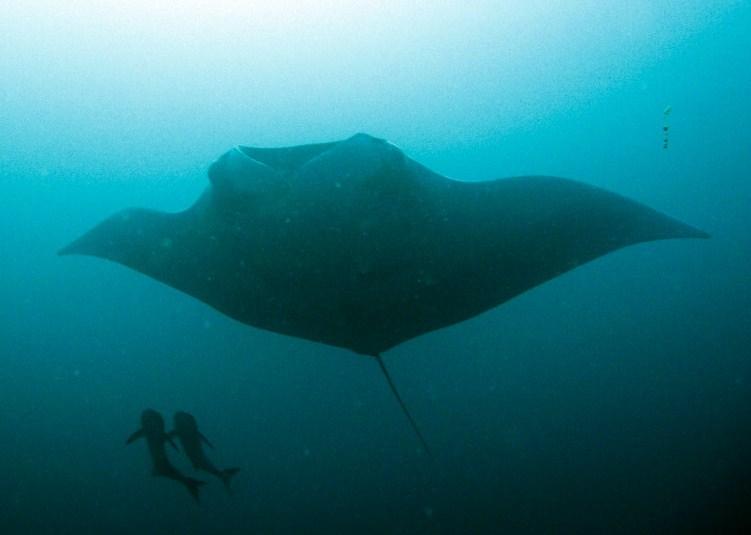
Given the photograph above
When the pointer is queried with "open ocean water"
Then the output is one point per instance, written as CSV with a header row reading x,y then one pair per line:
x,y
613,399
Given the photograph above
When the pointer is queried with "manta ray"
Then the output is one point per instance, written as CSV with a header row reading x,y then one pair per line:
x,y
354,244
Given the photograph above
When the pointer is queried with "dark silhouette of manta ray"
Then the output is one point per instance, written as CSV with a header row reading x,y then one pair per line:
x,y
355,245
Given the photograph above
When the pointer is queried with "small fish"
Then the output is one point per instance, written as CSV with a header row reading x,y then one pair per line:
x,y
152,429
192,440
666,126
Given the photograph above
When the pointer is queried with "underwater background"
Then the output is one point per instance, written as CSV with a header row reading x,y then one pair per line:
x,y
613,399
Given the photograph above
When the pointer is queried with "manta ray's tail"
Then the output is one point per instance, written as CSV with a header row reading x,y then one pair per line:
x,y
403,406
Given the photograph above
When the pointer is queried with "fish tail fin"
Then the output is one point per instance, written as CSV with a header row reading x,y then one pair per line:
x,y
227,474
193,486
402,405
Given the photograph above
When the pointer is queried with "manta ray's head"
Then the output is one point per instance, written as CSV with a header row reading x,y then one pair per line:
x,y
237,178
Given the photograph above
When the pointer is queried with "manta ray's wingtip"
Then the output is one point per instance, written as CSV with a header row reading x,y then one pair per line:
x,y
691,232
65,251
72,248
702,235
83,244
666,227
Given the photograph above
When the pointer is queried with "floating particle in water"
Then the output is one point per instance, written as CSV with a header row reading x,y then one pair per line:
x,y
666,126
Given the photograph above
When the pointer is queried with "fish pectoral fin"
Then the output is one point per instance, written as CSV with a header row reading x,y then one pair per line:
x,y
135,436
206,440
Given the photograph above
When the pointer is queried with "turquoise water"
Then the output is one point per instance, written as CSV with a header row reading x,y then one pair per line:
x,y
612,399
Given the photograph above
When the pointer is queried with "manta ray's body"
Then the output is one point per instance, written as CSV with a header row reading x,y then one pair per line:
x,y
355,245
